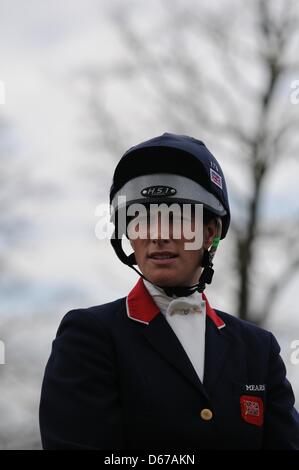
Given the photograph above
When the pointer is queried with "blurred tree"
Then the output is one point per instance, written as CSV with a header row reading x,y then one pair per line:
x,y
19,189
224,73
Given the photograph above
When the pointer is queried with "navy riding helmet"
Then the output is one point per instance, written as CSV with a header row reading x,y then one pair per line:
x,y
169,168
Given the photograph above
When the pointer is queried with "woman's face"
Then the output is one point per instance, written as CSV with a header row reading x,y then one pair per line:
x,y
166,262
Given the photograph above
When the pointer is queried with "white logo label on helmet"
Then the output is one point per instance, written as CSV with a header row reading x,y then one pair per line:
x,y
216,178
158,191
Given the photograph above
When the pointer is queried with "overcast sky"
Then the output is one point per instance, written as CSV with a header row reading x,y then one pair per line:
x,y
43,45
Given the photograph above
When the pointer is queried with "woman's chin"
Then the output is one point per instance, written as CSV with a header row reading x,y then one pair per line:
x,y
163,280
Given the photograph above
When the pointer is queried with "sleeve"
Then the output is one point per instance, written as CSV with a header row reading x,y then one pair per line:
x,y
282,419
80,404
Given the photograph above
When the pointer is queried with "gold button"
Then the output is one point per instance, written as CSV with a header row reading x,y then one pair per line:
x,y
206,414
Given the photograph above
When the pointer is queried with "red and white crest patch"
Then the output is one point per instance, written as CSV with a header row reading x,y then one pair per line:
x,y
252,409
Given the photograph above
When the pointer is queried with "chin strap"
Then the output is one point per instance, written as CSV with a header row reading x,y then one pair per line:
x,y
206,274
177,291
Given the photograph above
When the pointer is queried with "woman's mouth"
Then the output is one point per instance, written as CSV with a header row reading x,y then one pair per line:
x,y
162,257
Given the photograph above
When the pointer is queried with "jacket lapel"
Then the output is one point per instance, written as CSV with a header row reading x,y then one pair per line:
x,y
216,351
163,339
142,308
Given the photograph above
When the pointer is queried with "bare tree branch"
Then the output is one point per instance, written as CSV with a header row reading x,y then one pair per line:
x,y
277,287
224,101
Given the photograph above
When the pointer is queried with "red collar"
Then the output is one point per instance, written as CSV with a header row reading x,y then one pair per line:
x,y
141,306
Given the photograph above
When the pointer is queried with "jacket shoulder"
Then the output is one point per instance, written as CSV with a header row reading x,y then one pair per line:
x,y
105,314
245,330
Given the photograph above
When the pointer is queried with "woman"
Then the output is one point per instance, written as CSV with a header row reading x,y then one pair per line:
x,y
160,369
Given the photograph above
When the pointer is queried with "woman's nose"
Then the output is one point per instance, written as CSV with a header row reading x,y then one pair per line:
x,y
159,228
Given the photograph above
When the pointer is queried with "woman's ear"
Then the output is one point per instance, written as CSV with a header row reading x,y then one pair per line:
x,y
210,229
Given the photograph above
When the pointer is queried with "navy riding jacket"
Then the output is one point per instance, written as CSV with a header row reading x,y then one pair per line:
x,y
118,378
